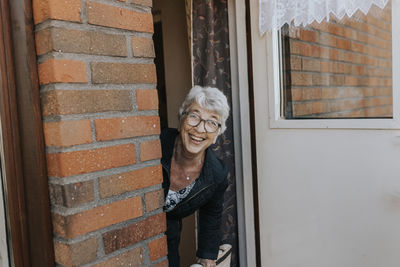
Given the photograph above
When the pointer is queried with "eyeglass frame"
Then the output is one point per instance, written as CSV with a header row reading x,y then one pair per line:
x,y
201,120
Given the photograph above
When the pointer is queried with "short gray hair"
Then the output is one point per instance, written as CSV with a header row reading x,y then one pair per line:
x,y
209,98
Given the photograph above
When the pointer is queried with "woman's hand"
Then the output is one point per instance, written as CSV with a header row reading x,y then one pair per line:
x,y
207,262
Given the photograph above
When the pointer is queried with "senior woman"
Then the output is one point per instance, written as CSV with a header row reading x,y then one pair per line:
x,y
193,177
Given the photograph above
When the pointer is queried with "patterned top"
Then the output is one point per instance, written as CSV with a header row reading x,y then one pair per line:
x,y
173,198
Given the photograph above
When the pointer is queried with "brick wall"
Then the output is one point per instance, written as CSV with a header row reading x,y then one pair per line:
x,y
342,68
101,125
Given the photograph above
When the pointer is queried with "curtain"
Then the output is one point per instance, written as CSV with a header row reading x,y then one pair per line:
x,y
189,13
211,67
273,14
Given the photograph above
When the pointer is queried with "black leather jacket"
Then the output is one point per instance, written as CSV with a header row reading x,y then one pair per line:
x,y
207,196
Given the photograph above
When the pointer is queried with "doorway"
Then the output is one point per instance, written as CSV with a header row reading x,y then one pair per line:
x,y
173,83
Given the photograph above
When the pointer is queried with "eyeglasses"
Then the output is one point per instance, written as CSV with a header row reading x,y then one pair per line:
x,y
192,119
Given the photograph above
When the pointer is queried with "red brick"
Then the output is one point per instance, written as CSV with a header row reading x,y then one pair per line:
x,y
351,81
147,99
71,195
343,68
349,33
382,63
62,71
308,36
62,254
120,73
357,47
327,39
91,220
117,128
150,150
336,106
142,47
318,107
75,254
302,109
382,91
328,66
69,10
117,17
300,48
323,51
43,42
301,79
154,200
333,54
134,233
129,181
132,258
323,26
335,29
331,93
297,94
75,41
65,102
365,38
295,63
311,93
319,79
336,80
316,51
158,248
67,133
78,162
311,65
352,92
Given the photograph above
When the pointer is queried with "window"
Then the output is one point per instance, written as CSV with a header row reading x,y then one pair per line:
x,y
326,72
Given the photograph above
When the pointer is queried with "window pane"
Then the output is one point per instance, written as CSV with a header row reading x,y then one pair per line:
x,y
340,68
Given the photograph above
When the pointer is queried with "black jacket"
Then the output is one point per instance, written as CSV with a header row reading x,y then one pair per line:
x,y
207,196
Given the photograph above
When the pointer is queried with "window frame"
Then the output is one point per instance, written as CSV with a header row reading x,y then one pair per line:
x,y
276,120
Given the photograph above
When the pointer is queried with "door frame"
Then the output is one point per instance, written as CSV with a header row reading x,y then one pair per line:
x,y
25,179
244,132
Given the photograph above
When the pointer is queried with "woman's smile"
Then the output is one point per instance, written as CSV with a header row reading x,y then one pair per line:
x,y
195,139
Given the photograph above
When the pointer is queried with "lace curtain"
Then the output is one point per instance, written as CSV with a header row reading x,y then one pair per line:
x,y
275,13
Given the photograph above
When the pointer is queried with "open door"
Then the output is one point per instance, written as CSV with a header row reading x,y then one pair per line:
x,y
326,100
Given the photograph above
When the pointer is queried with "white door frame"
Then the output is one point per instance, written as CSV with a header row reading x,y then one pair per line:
x,y
242,132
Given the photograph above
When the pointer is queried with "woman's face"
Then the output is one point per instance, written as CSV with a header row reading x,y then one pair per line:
x,y
196,139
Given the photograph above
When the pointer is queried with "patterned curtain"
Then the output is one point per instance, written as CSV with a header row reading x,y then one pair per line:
x,y
211,67
189,8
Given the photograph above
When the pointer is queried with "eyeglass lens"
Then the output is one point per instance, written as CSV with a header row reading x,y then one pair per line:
x,y
209,125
